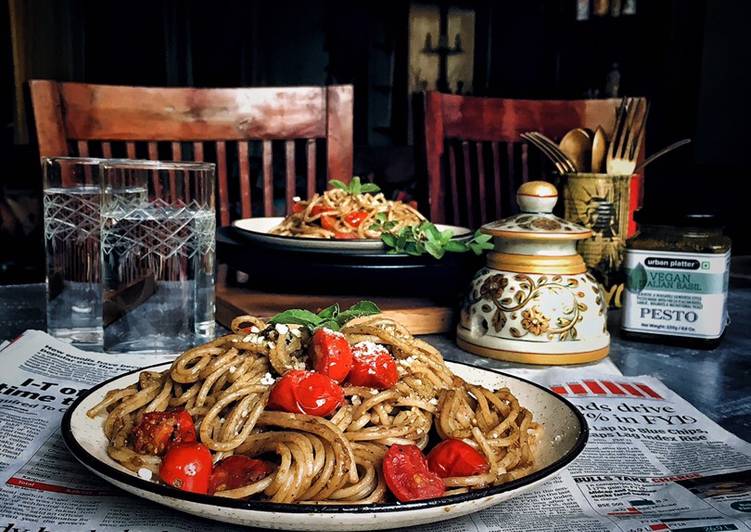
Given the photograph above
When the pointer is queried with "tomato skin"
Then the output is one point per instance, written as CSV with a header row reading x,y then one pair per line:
x,y
406,472
237,471
298,207
454,458
345,236
328,222
157,431
306,392
187,466
373,366
355,218
331,354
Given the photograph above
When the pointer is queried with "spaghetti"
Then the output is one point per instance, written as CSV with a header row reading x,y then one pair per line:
x,y
339,214
225,386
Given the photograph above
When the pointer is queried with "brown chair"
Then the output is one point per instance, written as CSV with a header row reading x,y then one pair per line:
x,y
178,123
472,145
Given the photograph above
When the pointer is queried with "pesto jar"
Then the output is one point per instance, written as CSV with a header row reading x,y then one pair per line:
x,y
677,270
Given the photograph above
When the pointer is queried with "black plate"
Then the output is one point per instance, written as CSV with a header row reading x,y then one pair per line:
x,y
353,272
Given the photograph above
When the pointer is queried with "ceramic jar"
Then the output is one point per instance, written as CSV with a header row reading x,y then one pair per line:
x,y
534,302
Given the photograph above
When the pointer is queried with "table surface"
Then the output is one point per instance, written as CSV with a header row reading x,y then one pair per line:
x,y
716,381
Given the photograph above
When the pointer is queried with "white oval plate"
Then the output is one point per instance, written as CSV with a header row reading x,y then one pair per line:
x,y
563,437
258,229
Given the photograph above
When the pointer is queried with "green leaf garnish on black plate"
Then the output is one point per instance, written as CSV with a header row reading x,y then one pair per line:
x,y
331,317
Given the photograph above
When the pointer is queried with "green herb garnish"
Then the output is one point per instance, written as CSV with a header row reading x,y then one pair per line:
x,y
427,238
331,317
355,186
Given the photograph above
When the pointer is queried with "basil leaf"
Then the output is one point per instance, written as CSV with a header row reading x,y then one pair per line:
x,y
434,249
329,312
297,316
456,247
370,187
431,231
338,184
354,186
363,308
388,239
331,324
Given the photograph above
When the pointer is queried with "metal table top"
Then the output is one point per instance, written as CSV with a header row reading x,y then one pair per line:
x,y
716,381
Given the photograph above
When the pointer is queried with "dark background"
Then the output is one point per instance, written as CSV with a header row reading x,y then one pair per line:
x,y
689,57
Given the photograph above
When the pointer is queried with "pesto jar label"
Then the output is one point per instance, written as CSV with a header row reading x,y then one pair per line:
x,y
677,294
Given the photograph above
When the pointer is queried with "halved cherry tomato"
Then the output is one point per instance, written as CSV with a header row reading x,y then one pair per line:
x,y
355,218
306,392
331,354
454,458
159,430
372,366
406,472
328,222
298,207
187,466
237,471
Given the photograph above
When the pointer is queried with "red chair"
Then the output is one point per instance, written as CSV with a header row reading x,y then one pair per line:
x,y
202,124
474,156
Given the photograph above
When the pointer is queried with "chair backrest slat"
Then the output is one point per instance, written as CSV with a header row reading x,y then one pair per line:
x,y
450,120
291,182
221,170
77,113
481,179
311,159
244,163
497,198
468,184
454,183
268,180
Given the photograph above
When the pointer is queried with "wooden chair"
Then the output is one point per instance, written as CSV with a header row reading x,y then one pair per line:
x,y
472,146
179,123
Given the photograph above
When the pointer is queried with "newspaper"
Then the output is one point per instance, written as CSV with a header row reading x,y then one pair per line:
x,y
653,462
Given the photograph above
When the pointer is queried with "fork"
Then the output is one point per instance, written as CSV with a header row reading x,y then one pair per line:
x,y
628,135
550,149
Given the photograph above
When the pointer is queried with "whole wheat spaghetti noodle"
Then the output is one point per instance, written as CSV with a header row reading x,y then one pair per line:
x,y
327,215
225,386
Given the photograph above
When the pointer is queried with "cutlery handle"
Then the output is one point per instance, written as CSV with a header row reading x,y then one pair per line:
x,y
660,153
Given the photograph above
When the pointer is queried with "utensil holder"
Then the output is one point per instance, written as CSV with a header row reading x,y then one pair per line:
x,y
602,203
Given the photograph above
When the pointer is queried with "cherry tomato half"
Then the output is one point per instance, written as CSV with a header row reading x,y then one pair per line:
x,y
354,219
331,354
454,458
187,466
407,475
298,207
372,366
328,222
159,430
237,471
306,392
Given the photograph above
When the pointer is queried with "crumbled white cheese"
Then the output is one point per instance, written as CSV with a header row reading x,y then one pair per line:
x,y
281,328
433,401
145,473
251,338
296,198
373,391
356,400
333,333
254,329
296,332
407,361
267,379
190,469
270,345
418,382
232,369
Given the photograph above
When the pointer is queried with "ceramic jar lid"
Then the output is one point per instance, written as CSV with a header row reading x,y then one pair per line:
x,y
536,200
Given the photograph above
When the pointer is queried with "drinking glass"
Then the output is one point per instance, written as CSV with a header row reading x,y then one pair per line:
x,y
158,247
71,199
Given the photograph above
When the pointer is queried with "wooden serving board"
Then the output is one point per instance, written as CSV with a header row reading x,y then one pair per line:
x,y
419,315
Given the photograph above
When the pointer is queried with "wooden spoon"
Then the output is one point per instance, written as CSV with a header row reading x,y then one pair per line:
x,y
577,145
599,150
